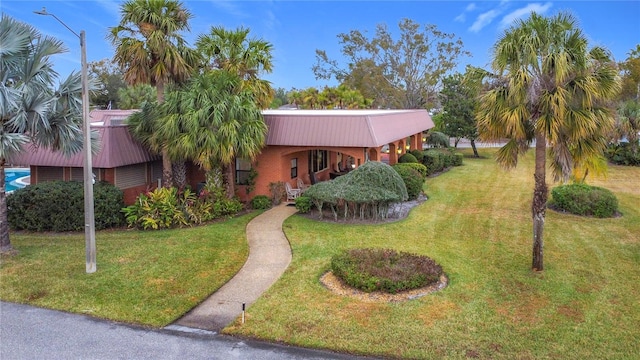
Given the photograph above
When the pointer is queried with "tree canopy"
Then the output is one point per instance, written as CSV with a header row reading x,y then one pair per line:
x,y
458,118
397,73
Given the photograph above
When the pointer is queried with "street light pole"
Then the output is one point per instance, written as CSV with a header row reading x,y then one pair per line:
x,y
89,217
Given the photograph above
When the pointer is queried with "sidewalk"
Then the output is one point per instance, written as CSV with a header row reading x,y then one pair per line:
x,y
269,257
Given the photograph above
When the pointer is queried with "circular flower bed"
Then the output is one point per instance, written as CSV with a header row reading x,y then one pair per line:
x,y
385,270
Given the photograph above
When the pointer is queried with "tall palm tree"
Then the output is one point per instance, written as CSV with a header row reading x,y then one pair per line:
x,y
30,109
249,58
151,50
550,89
213,120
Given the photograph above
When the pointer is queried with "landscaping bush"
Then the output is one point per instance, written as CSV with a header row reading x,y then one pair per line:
x,y
384,270
303,204
623,154
165,208
417,167
366,192
260,202
457,159
433,161
407,158
59,206
582,199
413,180
419,154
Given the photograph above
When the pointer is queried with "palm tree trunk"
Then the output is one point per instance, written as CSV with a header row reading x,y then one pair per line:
x,y
539,204
167,174
5,242
229,180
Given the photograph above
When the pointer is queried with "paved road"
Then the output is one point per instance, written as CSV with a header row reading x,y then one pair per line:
x,y
28,332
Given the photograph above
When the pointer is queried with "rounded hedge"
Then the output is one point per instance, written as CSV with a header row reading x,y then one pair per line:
x,y
413,180
260,202
384,270
585,200
419,154
407,158
59,206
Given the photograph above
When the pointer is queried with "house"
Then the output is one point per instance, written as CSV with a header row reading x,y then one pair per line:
x,y
121,160
311,145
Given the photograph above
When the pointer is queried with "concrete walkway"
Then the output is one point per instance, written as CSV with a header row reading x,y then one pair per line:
x,y
269,257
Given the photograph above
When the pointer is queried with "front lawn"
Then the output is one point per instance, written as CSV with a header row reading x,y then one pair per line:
x,y
143,277
477,225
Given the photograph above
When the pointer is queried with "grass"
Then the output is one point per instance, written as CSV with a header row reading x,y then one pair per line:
x,y
476,225
149,278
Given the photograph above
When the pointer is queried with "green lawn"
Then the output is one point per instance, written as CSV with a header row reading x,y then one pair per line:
x,y
149,278
476,224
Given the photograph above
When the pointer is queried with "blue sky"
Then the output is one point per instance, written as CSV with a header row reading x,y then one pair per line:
x,y
297,28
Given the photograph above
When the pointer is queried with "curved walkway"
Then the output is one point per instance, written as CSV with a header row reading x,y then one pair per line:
x,y
269,257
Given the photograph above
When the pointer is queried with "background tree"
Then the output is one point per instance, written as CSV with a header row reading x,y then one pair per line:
x,y
109,79
134,97
341,97
279,98
458,100
548,87
151,49
630,72
402,73
30,109
249,58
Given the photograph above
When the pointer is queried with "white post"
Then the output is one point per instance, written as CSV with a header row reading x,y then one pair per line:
x,y
89,216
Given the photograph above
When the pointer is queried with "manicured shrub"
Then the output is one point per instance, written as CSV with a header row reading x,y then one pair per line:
x,y
260,202
417,167
366,192
59,206
407,158
384,270
413,180
303,204
582,199
433,161
457,159
419,154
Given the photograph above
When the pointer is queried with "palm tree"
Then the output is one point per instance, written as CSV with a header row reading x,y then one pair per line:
x,y
548,88
151,50
233,51
31,110
213,120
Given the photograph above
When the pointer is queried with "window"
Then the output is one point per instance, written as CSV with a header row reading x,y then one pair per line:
x,y
294,168
318,159
243,170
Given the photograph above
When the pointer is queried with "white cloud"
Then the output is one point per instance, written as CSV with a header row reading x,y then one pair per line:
x,y
470,7
111,7
484,19
230,7
523,12
460,18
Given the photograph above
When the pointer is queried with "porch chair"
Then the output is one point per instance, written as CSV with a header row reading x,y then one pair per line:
x,y
292,193
302,186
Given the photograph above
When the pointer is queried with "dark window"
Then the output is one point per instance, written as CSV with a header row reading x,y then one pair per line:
x,y
318,160
294,168
243,169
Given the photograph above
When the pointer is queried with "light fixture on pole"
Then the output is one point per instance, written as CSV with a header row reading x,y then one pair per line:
x,y
89,217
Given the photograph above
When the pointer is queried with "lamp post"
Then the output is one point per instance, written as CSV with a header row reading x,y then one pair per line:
x,y
89,217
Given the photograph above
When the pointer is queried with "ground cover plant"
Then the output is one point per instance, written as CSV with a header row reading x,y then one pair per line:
x,y
384,270
476,224
144,277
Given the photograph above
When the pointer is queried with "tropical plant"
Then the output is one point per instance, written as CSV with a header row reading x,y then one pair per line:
x,y
134,97
211,120
549,89
235,52
151,50
30,109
